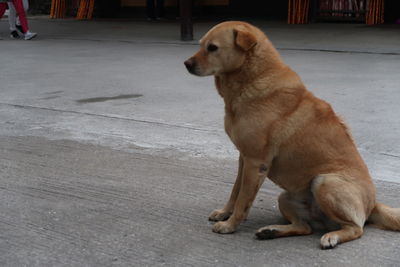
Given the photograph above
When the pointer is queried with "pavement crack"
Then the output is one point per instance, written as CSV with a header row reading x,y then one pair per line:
x,y
195,43
111,117
390,155
340,51
128,41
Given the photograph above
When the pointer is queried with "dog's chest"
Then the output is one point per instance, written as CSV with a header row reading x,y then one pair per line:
x,y
232,128
229,127
245,134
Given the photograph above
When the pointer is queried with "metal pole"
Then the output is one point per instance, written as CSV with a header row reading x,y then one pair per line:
x,y
186,20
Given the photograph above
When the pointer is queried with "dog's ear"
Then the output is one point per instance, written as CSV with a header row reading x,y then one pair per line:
x,y
244,39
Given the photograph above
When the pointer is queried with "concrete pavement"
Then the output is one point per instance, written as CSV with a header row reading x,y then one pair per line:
x,y
111,154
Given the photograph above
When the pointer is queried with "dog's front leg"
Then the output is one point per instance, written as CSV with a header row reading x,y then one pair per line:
x,y
253,176
224,213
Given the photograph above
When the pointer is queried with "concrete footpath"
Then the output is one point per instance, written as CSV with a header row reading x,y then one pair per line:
x,y
111,154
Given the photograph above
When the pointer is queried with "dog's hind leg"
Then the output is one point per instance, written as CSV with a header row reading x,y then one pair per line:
x,y
342,200
295,210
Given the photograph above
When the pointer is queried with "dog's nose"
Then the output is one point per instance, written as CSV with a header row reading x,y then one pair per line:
x,y
189,64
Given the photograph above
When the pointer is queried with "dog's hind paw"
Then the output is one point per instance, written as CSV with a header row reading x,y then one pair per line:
x,y
266,233
329,241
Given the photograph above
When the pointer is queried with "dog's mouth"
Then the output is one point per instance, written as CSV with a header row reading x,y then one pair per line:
x,y
193,71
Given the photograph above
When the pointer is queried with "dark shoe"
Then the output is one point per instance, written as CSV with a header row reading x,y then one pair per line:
x,y
14,35
19,28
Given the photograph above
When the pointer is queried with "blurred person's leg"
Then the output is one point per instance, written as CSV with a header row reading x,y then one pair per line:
x,y
12,21
12,16
3,7
26,7
160,8
19,7
150,9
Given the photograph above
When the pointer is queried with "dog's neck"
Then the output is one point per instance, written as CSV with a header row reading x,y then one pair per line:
x,y
242,83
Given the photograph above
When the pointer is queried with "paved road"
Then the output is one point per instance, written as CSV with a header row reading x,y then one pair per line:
x,y
111,154
64,203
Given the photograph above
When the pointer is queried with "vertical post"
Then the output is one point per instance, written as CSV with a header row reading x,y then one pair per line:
x,y
186,20
314,10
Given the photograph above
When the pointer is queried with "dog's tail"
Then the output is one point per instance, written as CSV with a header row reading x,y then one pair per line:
x,y
385,217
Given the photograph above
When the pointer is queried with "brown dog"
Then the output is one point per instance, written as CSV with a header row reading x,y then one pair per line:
x,y
285,133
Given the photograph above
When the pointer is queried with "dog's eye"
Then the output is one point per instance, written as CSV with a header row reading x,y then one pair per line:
x,y
212,48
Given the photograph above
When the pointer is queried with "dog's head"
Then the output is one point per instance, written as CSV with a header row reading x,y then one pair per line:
x,y
223,49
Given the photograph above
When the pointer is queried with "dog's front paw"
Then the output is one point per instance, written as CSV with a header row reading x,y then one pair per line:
x,y
223,228
219,215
